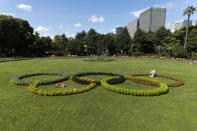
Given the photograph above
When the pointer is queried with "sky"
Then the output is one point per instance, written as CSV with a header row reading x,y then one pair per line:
x,y
55,17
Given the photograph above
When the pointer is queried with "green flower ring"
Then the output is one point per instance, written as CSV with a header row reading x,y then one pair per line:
x,y
155,82
18,79
154,92
34,89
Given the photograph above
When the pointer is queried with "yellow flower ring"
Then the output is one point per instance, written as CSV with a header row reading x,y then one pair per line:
x,y
34,89
154,92
153,82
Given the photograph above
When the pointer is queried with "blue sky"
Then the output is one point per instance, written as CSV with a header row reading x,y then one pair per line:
x,y
52,17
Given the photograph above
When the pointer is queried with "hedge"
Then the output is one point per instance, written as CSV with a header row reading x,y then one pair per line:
x,y
18,79
34,89
154,92
153,82
118,80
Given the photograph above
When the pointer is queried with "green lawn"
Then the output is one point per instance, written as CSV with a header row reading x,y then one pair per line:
x,y
98,109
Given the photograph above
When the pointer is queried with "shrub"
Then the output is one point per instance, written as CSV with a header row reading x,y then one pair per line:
x,y
18,79
34,89
154,92
148,81
85,81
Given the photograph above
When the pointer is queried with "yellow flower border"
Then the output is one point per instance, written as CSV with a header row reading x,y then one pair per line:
x,y
34,89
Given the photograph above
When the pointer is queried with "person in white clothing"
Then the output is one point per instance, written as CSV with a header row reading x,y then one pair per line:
x,y
153,73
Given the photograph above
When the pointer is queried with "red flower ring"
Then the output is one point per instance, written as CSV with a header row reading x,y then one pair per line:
x,y
178,83
144,82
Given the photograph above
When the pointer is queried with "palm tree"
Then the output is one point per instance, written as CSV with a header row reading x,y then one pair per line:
x,y
190,10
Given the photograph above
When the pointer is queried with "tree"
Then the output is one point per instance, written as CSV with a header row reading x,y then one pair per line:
x,y
45,44
178,51
63,41
173,44
190,10
34,47
91,42
109,44
148,46
139,40
81,36
143,43
75,47
192,41
16,36
123,42
100,44
42,45
160,35
59,44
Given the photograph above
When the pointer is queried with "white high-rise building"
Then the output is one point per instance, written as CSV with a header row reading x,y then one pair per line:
x,y
152,19
132,27
178,24
195,23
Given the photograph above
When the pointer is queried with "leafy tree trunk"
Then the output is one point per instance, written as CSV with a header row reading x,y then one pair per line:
x,y
185,44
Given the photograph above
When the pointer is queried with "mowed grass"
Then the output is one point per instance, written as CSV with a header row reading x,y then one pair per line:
x,y
98,109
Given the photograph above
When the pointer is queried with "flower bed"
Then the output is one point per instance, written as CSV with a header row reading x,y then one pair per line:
x,y
90,83
18,79
154,92
34,89
154,82
85,82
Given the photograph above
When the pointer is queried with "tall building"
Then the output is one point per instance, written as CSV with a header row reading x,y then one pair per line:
x,y
195,23
152,18
118,29
110,33
132,27
178,24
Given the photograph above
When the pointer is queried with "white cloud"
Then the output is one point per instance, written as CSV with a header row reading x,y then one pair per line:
x,y
112,30
77,25
137,12
43,30
61,27
68,34
95,19
25,7
4,13
168,5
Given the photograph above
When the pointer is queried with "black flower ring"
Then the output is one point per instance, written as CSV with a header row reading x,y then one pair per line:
x,y
118,80
18,79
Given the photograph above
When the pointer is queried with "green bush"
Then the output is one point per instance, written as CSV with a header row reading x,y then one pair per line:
x,y
34,89
179,52
18,79
154,92
194,58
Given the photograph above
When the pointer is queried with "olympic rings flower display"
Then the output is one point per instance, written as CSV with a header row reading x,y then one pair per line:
x,y
108,83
